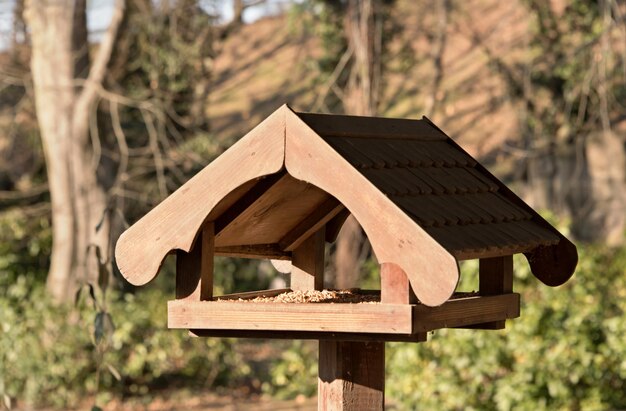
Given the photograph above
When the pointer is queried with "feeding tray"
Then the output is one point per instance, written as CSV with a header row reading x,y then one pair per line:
x,y
285,190
348,315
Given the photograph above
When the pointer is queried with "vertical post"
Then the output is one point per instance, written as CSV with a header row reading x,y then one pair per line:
x,y
495,276
194,270
351,376
394,285
307,272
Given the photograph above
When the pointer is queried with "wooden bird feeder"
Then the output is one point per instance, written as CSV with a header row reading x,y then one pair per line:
x,y
286,188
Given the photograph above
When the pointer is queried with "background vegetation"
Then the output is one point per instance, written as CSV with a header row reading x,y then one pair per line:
x,y
534,89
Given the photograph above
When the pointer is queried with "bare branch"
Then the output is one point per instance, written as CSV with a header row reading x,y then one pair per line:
x,y
121,143
98,69
332,80
156,152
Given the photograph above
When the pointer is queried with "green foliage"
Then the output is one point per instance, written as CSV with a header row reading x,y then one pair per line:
x,y
295,372
49,353
565,352
25,244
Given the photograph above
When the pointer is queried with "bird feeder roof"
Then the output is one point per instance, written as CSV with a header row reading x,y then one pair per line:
x,y
423,202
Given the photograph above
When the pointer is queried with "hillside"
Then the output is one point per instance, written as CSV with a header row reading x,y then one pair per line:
x,y
271,62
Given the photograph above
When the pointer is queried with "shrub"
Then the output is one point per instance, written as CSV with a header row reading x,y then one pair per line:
x,y
48,353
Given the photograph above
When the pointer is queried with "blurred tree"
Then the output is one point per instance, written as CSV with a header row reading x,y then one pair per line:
x,y
116,128
65,85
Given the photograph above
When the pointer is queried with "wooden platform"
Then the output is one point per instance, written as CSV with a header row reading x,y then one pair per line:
x,y
360,321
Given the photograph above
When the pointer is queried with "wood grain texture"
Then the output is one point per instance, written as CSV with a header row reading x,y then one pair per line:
x,y
495,276
262,251
351,376
246,295
395,237
207,261
311,335
253,194
466,311
225,315
312,223
276,212
394,285
173,224
307,263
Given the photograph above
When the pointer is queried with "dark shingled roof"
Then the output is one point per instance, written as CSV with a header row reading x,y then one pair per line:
x,y
439,185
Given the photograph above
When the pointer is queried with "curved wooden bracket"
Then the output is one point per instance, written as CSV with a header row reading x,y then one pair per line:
x,y
142,248
554,265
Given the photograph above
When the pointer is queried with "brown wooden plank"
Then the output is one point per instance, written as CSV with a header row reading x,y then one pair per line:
x,y
194,270
272,251
277,211
312,223
496,252
310,335
370,127
206,261
495,277
333,227
307,263
248,295
225,315
465,311
188,272
174,223
394,285
351,376
249,198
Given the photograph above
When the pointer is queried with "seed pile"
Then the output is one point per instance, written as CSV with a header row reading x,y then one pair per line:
x,y
311,296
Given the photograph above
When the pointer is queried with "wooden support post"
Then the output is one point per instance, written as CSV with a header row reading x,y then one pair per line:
x,y
351,376
307,272
194,270
394,285
495,278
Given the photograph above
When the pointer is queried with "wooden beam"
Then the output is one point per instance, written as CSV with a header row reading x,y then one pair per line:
x,y
309,335
334,225
463,312
351,376
194,270
312,223
495,277
253,251
249,295
462,255
307,271
394,285
246,201
236,315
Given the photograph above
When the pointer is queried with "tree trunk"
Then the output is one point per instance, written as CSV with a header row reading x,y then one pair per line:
x,y
77,196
